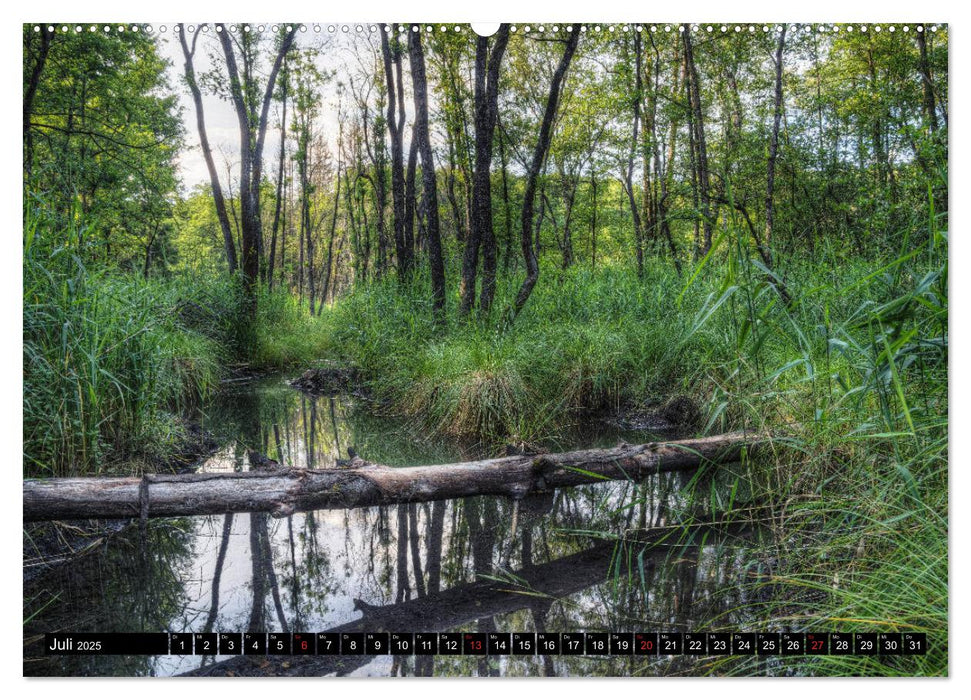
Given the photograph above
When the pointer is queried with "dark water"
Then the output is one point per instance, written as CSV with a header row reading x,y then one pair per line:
x,y
477,564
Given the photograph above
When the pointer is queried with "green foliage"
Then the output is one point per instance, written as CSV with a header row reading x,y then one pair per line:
x,y
287,335
101,139
110,360
587,342
852,379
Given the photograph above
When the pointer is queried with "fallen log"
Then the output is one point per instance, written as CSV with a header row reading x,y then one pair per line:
x,y
363,484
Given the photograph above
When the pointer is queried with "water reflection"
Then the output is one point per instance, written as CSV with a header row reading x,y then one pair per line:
x,y
476,564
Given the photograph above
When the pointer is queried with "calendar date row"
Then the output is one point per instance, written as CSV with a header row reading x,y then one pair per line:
x,y
491,643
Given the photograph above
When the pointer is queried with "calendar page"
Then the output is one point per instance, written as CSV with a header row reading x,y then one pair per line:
x,y
524,349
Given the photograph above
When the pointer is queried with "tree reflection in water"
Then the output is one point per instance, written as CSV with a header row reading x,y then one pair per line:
x,y
475,564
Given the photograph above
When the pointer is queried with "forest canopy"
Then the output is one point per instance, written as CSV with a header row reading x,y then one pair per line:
x,y
592,145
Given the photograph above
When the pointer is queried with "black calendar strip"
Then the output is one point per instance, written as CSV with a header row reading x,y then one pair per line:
x,y
490,644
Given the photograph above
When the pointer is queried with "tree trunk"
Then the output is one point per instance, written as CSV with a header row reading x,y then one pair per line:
x,y
392,63
436,262
284,491
704,190
330,244
629,166
251,138
411,199
773,152
665,171
539,157
279,182
217,191
481,234
593,220
507,205
930,110
35,73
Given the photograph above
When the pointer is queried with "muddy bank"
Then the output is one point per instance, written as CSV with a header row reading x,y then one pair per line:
x,y
328,381
679,414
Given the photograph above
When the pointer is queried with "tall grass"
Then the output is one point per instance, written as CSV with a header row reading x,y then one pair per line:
x,y
853,378
586,342
843,359
109,360
286,335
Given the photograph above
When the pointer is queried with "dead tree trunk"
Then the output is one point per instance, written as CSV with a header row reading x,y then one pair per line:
x,y
285,491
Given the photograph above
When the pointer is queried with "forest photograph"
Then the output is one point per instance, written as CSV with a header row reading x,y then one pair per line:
x,y
517,350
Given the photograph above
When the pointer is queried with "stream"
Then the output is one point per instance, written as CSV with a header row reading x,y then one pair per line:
x,y
549,563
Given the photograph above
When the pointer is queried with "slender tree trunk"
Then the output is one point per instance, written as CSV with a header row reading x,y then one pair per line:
x,y
773,152
665,171
436,262
539,157
411,203
481,235
283,231
217,192
279,181
593,221
42,52
507,206
569,196
704,190
252,137
629,169
330,243
392,62
306,227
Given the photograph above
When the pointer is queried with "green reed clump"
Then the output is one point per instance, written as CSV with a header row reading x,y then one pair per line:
x,y
852,378
587,341
110,359
286,335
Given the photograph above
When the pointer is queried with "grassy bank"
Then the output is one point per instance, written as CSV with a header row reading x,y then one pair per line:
x,y
854,376
587,341
112,360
